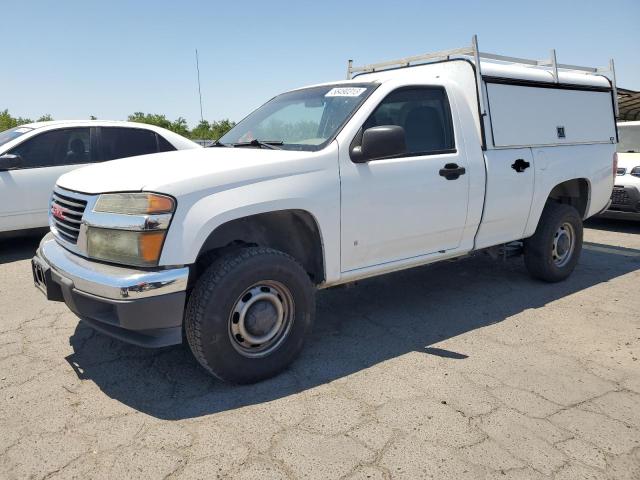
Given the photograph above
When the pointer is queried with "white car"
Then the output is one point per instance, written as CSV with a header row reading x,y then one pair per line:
x,y
33,156
325,185
625,198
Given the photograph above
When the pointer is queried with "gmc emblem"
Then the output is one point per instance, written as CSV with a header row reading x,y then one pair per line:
x,y
57,212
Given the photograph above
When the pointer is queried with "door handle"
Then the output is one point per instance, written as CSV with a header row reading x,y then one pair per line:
x,y
452,171
520,165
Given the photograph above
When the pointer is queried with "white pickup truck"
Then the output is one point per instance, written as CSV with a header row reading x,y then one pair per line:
x,y
401,166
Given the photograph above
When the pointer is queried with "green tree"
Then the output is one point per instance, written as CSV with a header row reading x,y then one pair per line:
x,y
219,128
205,130
180,127
202,131
151,119
7,121
211,130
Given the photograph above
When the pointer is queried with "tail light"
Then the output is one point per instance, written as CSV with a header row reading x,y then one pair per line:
x,y
615,165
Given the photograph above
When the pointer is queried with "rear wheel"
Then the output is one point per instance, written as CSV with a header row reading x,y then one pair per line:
x,y
552,253
249,314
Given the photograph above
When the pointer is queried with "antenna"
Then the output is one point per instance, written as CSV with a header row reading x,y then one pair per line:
x,y
199,90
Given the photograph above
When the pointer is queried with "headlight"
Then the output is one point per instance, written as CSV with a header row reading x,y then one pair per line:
x,y
129,228
134,203
635,171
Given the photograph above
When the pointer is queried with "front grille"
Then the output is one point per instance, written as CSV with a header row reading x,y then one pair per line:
x,y
66,216
620,196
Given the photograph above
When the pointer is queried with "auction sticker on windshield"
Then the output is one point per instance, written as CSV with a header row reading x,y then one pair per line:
x,y
345,92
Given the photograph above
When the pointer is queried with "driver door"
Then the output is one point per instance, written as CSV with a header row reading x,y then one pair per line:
x,y
398,208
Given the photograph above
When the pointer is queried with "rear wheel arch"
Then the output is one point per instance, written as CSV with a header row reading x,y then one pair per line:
x,y
575,192
294,232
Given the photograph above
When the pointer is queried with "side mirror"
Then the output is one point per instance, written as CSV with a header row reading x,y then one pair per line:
x,y
9,161
380,142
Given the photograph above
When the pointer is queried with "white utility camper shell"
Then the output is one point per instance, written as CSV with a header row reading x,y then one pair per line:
x,y
526,103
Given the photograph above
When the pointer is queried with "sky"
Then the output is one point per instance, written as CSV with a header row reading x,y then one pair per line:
x,y
73,59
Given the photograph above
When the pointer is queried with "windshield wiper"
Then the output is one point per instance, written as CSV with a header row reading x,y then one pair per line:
x,y
261,143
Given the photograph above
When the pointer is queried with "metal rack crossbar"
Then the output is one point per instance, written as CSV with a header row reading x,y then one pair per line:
x,y
474,52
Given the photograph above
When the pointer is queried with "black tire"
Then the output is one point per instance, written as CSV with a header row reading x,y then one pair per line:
x,y
540,256
211,318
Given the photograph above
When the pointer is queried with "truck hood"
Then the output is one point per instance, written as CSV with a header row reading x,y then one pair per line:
x,y
187,171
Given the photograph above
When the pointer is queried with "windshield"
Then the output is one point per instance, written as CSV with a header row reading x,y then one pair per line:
x,y
628,138
306,119
12,133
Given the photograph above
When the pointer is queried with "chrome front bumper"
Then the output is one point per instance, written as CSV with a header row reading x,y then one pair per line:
x,y
109,281
143,307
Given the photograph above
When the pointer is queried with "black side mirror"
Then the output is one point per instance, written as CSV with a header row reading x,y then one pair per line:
x,y
9,161
380,142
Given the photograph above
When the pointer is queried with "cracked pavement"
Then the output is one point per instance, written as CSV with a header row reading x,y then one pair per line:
x,y
465,369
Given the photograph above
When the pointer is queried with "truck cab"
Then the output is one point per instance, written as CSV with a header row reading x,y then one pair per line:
x,y
329,184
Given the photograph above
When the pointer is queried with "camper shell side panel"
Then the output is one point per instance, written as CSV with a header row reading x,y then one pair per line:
x,y
526,114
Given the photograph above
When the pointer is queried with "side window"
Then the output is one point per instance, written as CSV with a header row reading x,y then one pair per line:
x,y
120,142
424,114
56,147
164,145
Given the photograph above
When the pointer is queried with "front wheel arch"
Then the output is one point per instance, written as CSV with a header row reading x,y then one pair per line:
x,y
294,232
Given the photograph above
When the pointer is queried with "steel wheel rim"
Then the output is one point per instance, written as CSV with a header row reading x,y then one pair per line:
x,y
564,242
261,318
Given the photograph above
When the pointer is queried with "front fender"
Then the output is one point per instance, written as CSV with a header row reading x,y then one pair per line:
x,y
315,189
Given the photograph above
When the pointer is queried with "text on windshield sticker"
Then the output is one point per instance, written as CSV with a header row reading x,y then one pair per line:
x,y
345,92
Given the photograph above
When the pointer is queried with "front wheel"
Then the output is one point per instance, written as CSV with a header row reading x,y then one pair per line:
x,y
249,314
552,253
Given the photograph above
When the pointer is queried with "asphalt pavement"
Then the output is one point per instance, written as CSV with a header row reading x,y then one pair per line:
x,y
464,369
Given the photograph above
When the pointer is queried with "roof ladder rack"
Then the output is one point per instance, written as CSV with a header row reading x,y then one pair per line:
x,y
473,51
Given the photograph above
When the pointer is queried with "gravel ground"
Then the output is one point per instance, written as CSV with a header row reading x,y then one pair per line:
x,y
466,369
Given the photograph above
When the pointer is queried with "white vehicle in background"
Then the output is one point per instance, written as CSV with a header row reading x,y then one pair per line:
x,y
625,198
33,156
398,167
